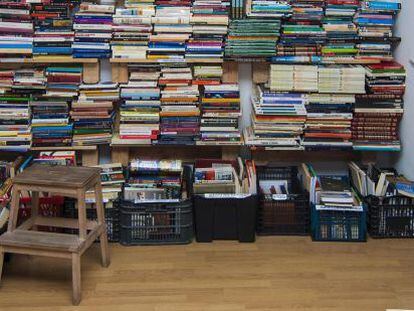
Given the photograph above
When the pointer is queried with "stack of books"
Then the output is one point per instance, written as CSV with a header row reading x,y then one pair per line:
x,y
376,20
172,29
346,79
63,81
180,114
140,108
207,74
386,78
131,30
252,38
154,181
220,107
16,30
93,31
278,120
328,124
93,114
342,33
66,158
53,27
210,21
268,8
299,78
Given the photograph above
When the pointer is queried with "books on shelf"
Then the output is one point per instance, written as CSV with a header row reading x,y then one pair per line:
x,y
301,78
268,8
207,74
346,79
67,158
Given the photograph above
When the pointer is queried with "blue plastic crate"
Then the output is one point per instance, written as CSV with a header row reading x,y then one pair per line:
x,y
338,225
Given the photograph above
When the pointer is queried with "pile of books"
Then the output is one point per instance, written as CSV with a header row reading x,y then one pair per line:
x,y
375,21
180,114
53,27
93,114
386,78
345,79
210,21
328,124
154,181
66,158
172,29
299,78
268,8
252,38
16,30
93,31
140,108
220,108
342,33
131,30
207,74
278,120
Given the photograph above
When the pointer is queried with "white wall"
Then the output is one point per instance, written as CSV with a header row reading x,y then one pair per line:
x,y
405,53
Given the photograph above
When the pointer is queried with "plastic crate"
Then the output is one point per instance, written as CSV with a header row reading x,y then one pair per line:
x,y
390,217
111,218
225,218
283,215
48,207
337,225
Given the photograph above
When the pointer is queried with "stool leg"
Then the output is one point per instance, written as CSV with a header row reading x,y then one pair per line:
x,y
76,279
14,209
1,262
82,215
35,207
103,238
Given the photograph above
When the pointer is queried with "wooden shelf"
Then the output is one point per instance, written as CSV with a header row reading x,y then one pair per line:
x,y
152,61
67,148
49,60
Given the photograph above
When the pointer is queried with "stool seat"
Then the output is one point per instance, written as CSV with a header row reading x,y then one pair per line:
x,y
42,240
57,176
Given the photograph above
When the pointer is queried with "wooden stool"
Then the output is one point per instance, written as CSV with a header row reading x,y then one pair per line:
x,y
62,180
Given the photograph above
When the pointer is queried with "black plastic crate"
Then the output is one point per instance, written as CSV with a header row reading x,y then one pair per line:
x,y
111,218
338,225
390,217
156,223
283,214
221,218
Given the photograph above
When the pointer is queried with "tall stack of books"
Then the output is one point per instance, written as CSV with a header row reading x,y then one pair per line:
x,y
172,29
180,114
376,20
299,78
342,33
278,120
210,21
53,27
302,34
252,38
140,108
378,114
16,30
328,124
220,108
93,31
93,114
132,29
346,79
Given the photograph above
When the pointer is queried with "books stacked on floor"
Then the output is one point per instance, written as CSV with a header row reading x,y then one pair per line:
x,y
252,38
93,114
93,31
53,27
376,20
342,33
302,34
328,124
16,30
140,108
131,30
300,78
268,8
66,158
210,21
172,29
348,79
220,108
154,181
278,120
207,74
180,114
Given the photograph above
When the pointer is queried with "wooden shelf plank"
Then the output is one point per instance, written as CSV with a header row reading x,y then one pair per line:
x,y
67,148
49,60
143,61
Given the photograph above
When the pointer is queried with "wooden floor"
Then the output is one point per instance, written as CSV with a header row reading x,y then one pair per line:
x,y
275,273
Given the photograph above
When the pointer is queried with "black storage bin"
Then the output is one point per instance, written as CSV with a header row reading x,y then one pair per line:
x,y
283,215
225,218
111,218
390,217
